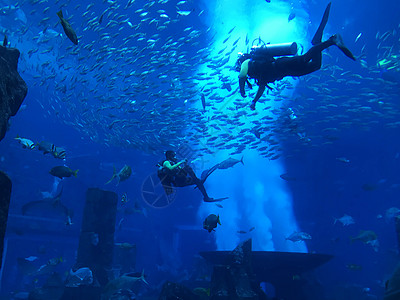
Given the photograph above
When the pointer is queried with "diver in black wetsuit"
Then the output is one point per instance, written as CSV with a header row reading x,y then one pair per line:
x,y
269,69
179,174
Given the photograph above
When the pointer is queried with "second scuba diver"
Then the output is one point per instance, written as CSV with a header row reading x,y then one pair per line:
x,y
261,65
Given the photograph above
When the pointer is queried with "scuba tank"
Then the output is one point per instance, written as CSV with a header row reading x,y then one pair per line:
x,y
271,50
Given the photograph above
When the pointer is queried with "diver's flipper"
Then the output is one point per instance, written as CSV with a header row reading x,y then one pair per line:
x,y
337,39
204,175
214,199
208,172
320,31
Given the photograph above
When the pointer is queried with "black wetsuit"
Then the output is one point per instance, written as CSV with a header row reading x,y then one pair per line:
x,y
180,177
269,70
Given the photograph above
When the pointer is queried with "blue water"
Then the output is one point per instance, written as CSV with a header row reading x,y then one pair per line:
x,y
348,163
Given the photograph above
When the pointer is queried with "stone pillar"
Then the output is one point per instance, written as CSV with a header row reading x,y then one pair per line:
x,y
392,290
5,195
96,241
397,222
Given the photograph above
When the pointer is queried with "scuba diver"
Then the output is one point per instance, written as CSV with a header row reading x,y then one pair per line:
x,y
179,174
261,65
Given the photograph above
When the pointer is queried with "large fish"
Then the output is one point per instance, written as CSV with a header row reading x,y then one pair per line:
x,y
122,175
126,282
226,164
298,236
229,163
211,222
68,28
26,143
62,171
50,206
368,237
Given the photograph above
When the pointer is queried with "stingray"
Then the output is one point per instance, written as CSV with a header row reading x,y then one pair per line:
x,y
48,206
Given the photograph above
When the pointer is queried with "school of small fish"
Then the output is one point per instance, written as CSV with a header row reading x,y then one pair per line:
x,y
134,80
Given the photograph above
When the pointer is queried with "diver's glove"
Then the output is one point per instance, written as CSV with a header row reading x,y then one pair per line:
x,y
242,82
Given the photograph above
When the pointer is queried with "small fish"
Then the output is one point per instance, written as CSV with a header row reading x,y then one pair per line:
x,y
68,222
67,28
369,187
102,16
346,220
55,261
59,152
49,267
391,213
374,244
229,163
365,236
210,223
31,258
26,143
354,267
46,147
130,2
358,37
202,292
122,175
219,205
62,171
241,231
256,133
251,229
124,198
184,12
287,177
203,102
298,236
123,282
343,159
291,16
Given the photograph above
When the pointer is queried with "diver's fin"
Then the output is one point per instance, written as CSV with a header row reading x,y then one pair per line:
x,y
60,14
320,31
214,199
338,41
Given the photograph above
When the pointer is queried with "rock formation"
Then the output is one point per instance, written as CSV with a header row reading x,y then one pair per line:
x,y
13,88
